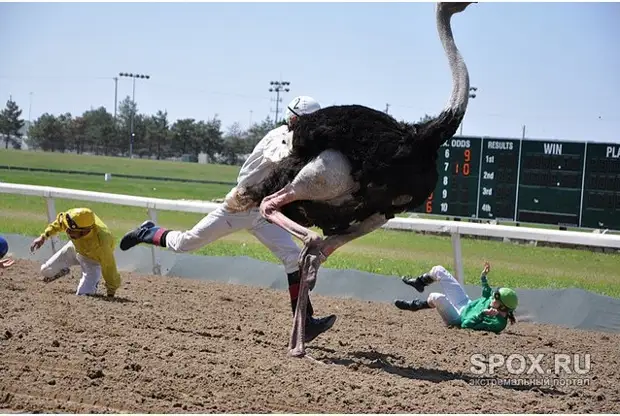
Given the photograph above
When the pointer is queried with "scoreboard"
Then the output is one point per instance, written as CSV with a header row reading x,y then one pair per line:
x,y
547,182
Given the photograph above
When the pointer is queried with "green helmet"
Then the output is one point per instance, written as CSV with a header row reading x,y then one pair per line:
x,y
507,297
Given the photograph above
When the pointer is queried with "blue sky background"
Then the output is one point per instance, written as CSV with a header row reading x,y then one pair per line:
x,y
554,67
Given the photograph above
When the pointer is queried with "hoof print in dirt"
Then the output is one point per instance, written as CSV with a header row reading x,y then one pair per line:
x,y
93,374
133,367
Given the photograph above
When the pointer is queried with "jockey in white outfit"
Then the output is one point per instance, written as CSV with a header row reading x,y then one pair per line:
x,y
233,215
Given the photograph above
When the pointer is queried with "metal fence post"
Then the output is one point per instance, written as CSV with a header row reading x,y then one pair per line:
x,y
51,217
154,255
458,257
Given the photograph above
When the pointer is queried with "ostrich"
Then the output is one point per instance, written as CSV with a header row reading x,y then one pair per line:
x,y
352,168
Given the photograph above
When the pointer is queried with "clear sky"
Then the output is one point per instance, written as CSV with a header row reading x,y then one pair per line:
x,y
554,67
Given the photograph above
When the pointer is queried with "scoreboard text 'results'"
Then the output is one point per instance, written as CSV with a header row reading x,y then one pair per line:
x,y
538,181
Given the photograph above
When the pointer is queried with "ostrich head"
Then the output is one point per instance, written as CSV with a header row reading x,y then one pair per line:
x,y
453,8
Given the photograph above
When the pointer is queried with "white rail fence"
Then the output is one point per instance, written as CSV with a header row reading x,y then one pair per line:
x,y
454,228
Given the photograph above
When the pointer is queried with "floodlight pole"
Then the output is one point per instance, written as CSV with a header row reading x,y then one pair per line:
x,y
278,86
133,110
470,96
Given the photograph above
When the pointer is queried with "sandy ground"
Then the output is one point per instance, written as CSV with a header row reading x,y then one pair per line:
x,y
180,345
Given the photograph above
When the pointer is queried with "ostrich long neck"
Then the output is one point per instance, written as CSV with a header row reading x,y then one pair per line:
x,y
460,76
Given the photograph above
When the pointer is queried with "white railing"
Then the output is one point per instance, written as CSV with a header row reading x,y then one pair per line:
x,y
454,228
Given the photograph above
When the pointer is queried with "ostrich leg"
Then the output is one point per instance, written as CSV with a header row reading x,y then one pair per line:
x,y
270,205
333,242
327,177
308,268
311,258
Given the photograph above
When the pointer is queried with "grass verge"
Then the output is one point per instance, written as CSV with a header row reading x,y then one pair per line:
x,y
383,252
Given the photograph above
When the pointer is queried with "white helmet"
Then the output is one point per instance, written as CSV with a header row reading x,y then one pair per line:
x,y
301,105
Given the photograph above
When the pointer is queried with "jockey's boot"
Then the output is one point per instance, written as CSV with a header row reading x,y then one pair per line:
x,y
63,272
420,282
314,326
414,305
148,233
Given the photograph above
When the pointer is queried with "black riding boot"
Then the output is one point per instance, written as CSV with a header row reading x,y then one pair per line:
x,y
414,305
314,326
420,282
148,233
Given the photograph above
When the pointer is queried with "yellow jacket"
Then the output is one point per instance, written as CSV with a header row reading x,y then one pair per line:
x,y
98,245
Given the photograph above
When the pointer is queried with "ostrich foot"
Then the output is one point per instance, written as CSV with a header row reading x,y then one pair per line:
x,y
314,360
297,352
307,357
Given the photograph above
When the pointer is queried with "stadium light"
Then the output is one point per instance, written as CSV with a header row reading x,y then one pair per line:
x,y
470,96
277,86
133,99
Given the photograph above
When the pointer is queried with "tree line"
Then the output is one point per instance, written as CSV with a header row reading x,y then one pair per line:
x,y
98,132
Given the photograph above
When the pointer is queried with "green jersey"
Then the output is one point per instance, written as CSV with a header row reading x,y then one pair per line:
x,y
473,318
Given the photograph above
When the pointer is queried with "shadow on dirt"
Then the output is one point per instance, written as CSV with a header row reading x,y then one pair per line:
x,y
115,299
381,361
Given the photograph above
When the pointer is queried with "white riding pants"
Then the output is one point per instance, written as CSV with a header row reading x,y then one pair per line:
x,y
67,257
450,303
220,223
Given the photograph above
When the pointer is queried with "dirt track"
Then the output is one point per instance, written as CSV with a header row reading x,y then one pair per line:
x,y
178,345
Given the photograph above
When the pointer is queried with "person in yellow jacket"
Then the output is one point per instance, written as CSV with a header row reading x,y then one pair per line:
x,y
91,246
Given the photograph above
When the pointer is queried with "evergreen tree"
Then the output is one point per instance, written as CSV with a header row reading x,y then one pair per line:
x,y
11,124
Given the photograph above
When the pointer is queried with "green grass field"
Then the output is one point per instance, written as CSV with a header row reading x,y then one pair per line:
x,y
384,252
108,164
